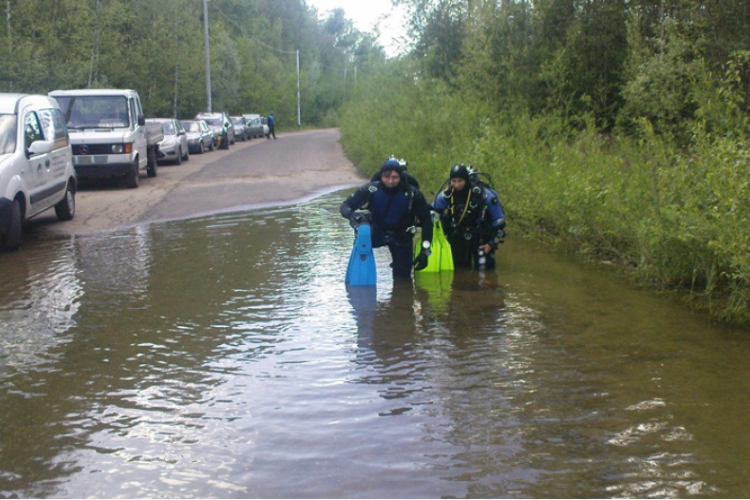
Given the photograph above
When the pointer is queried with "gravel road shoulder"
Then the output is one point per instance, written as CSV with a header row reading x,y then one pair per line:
x,y
297,166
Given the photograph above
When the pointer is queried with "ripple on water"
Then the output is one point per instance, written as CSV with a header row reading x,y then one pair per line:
x,y
223,356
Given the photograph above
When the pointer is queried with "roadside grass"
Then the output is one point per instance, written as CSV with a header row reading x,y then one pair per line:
x,y
675,219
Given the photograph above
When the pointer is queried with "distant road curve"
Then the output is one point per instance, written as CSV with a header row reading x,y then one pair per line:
x,y
255,173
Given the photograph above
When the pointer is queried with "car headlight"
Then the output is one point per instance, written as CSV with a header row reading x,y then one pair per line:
x,y
119,149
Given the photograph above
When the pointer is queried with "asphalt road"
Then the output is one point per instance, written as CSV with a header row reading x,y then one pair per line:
x,y
256,173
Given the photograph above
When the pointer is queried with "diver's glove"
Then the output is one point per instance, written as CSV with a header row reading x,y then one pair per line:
x,y
497,239
359,217
421,261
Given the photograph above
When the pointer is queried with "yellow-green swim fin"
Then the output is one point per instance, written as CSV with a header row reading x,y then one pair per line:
x,y
446,254
442,256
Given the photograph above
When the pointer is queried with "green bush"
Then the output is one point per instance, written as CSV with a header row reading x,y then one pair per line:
x,y
675,217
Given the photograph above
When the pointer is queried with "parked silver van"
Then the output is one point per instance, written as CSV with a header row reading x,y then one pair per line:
x,y
36,164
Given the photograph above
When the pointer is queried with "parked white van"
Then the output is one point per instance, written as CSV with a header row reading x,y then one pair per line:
x,y
36,164
109,133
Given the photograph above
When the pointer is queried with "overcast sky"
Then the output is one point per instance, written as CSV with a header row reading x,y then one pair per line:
x,y
366,14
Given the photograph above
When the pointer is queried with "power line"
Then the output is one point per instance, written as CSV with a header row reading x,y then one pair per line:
x,y
249,35
299,122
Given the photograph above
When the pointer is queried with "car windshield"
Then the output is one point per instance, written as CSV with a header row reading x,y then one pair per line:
x,y
217,122
95,111
7,134
191,126
168,128
238,121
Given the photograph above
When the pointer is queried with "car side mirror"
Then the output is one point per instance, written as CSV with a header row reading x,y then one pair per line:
x,y
38,148
141,120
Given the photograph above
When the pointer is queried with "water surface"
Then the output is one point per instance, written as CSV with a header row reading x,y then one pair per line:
x,y
224,357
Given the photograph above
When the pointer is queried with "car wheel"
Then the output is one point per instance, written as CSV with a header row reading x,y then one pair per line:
x,y
211,147
12,239
187,155
66,208
178,161
131,179
201,148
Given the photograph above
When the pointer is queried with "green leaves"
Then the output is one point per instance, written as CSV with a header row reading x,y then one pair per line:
x,y
157,48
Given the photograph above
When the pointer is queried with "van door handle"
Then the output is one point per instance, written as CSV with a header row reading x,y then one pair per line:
x,y
46,163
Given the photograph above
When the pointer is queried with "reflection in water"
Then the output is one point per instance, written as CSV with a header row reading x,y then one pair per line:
x,y
224,357
43,294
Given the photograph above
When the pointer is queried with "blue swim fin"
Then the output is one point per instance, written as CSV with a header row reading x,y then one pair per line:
x,y
361,270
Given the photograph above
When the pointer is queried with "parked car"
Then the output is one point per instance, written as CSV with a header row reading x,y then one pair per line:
x,y
222,127
240,128
230,126
36,164
109,134
174,146
200,138
258,127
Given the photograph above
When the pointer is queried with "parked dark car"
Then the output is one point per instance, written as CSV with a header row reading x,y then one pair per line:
x,y
200,138
222,127
240,128
230,127
257,127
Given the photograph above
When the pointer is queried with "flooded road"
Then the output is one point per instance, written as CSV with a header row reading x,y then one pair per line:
x,y
223,357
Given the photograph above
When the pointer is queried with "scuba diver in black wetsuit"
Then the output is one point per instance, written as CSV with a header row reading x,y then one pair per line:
x,y
394,206
473,219
409,179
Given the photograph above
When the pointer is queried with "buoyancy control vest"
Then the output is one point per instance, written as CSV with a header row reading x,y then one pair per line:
x,y
466,210
391,209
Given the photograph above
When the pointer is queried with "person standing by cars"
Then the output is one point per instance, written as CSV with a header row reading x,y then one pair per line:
x,y
394,206
271,122
472,217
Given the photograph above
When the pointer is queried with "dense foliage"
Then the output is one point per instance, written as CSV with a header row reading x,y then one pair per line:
x,y
616,127
157,48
